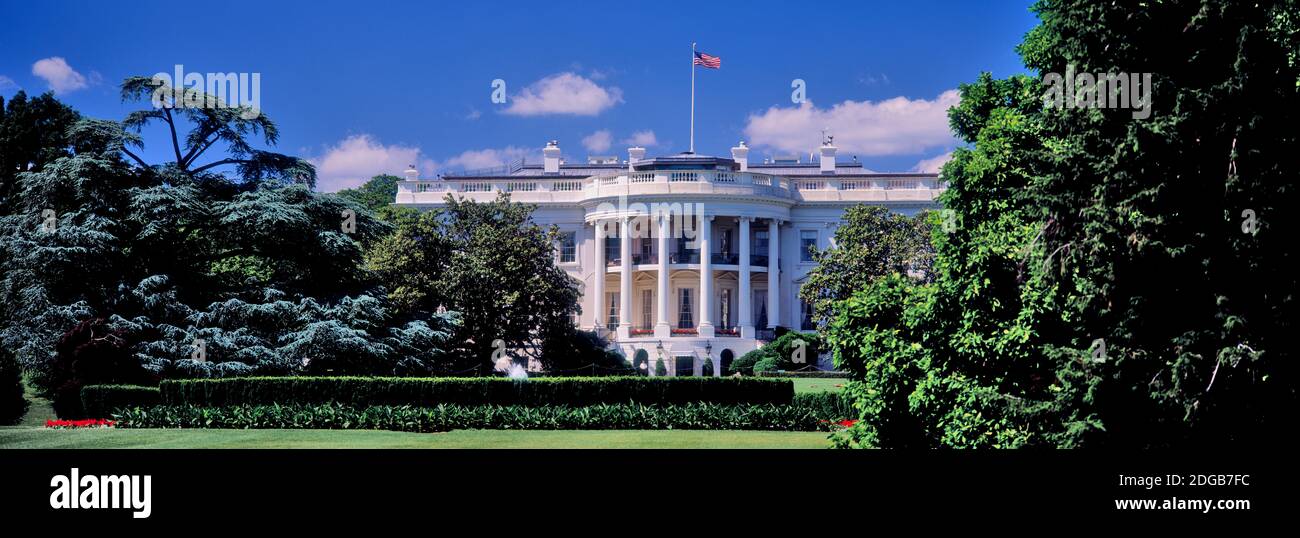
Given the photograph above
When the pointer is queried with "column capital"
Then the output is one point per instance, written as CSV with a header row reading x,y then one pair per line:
x,y
745,218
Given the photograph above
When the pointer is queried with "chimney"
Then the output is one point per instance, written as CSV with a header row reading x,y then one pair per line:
x,y
740,154
411,173
634,154
828,155
551,158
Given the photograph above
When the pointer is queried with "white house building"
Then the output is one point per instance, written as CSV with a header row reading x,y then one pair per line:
x,y
687,258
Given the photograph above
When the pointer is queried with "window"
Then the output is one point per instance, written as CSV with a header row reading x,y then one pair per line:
x,y
685,309
646,312
612,301
612,246
806,320
759,244
568,247
725,305
760,308
807,243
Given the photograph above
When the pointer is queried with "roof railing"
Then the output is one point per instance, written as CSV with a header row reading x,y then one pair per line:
x,y
503,170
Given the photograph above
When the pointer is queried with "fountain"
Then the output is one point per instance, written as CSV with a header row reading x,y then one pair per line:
x,y
512,369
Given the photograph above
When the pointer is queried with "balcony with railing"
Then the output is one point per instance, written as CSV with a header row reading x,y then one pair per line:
x,y
570,189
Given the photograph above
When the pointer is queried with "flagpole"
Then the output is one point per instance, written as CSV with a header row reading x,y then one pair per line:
x,y
692,98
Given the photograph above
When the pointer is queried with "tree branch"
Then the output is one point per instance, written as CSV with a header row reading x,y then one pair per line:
x,y
176,145
198,150
218,163
133,156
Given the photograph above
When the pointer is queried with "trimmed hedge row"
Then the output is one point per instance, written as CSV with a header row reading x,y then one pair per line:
x,y
827,405
693,416
100,401
428,392
819,374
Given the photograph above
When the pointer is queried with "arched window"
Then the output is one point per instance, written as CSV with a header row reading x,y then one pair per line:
x,y
727,356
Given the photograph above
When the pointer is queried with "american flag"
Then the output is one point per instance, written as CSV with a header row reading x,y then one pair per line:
x,y
704,60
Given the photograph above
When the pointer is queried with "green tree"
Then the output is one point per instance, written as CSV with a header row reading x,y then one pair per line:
x,y
214,124
411,261
493,265
33,132
1173,237
376,195
502,277
1084,227
266,272
871,242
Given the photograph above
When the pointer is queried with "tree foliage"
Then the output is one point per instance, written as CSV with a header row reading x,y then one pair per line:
x,y
255,269
871,242
1102,285
492,264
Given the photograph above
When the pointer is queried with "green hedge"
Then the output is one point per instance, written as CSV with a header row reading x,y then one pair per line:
x,y
100,401
427,392
831,406
819,374
693,416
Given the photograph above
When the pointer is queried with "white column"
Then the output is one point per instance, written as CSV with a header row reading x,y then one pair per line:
x,y
773,273
706,279
598,282
625,278
662,328
746,318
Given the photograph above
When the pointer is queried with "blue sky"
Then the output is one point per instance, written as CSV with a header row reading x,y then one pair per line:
x,y
364,88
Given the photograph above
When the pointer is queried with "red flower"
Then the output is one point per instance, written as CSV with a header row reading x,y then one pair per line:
x,y
848,423
83,423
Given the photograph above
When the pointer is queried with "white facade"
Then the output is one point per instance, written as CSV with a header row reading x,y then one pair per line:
x,y
685,308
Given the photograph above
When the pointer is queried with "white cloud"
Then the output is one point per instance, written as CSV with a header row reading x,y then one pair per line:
x,y
933,164
61,77
599,141
357,158
6,83
473,114
563,93
642,138
488,158
897,126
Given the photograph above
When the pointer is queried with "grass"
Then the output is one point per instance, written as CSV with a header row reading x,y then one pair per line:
x,y
28,437
812,384
40,409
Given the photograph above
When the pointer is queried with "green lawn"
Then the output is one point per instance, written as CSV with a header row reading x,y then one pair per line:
x,y
811,384
29,437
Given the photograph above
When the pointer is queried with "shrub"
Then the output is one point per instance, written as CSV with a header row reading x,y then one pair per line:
x,y
576,353
779,354
766,364
445,417
368,391
100,401
12,403
745,364
89,354
830,406
818,374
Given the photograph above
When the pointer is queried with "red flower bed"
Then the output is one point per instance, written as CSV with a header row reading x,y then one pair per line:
x,y
842,423
83,423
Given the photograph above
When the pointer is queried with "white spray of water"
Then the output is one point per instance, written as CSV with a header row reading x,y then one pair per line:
x,y
511,369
